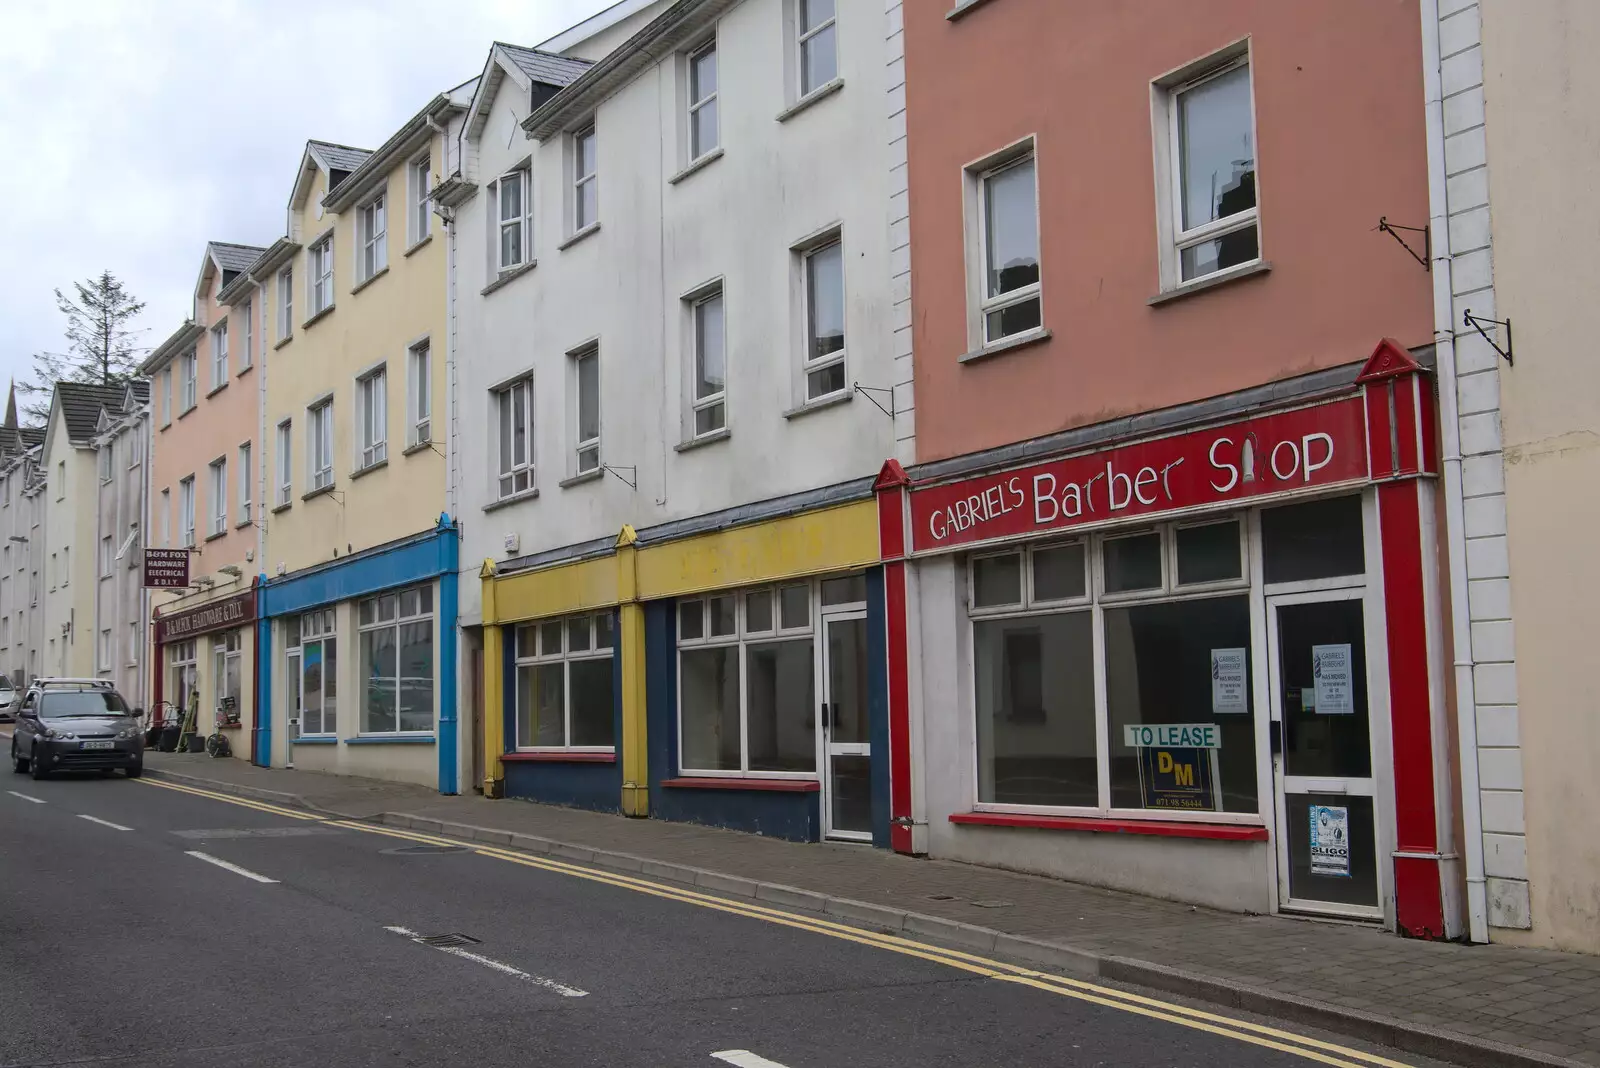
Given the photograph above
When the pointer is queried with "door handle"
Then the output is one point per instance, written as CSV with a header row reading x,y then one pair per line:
x,y
1275,736
823,715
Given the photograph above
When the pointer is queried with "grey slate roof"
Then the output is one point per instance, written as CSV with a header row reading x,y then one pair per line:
x,y
31,436
546,68
81,404
235,257
340,157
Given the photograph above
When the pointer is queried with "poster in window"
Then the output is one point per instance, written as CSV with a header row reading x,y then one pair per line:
x,y
1330,840
1227,683
1330,666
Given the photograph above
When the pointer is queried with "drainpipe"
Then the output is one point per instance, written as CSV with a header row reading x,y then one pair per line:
x,y
448,218
258,305
1454,508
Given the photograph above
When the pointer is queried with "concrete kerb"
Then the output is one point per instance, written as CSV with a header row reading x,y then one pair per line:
x,y
1403,1035
255,793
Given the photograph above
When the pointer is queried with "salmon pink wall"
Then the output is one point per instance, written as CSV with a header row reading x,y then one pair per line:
x,y
1339,143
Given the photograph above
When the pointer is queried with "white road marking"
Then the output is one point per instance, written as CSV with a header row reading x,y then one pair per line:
x,y
246,872
103,823
743,1058
504,969
25,797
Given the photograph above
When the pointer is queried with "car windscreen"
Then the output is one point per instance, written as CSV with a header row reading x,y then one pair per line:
x,y
82,703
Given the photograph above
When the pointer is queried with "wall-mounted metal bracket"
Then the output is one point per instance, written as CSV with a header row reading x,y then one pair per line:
x,y
868,391
1478,323
631,482
1393,230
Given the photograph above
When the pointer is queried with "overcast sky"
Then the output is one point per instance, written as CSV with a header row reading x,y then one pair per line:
x,y
138,130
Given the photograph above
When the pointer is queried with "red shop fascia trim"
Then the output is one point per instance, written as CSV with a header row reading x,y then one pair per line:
x,y
781,786
1223,832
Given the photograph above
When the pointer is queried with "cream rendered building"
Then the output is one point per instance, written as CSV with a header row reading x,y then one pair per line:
x,y
358,600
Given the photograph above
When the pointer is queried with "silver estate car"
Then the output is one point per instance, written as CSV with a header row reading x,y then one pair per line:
x,y
76,725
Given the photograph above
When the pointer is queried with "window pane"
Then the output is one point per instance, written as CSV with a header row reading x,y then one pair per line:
x,y
330,681
586,155
588,203
758,610
366,612
1221,253
703,129
550,638
1013,319
826,381
709,708
708,419
851,589
1320,539
378,709
710,356
510,198
1132,563
723,615
691,620
794,607
814,12
540,690
602,630
578,635
1012,226
819,60
589,397
593,722
510,245
527,641
702,75
997,580
1216,152
781,704
416,676
1035,708
825,295
1159,670
1209,553
1058,573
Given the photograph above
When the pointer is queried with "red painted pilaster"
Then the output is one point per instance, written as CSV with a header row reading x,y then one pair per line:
x,y
891,489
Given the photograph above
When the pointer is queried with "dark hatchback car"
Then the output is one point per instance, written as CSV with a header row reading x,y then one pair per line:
x,y
76,726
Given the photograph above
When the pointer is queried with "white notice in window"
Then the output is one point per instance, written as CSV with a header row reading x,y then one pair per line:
x,y
1227,682
1330,666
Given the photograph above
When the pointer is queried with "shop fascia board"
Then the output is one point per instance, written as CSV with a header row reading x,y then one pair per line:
x,y
412,559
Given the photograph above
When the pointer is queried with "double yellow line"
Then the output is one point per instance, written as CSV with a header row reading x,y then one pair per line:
x,y
1108,997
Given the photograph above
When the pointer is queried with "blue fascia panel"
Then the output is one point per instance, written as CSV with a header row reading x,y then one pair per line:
x,y
399,563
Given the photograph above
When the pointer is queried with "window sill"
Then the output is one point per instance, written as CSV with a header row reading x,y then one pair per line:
x,y
704,161
284,507
820,403
417,446
215,536
216,389
392,739
704,439
961,8
780,786
181,414
281,342
556,757
820,93
314,739
246,369
515,498
579,235
362,472
321,491
166,424
417,246
1211,281
241,524
507,277
359,286
1009,344
1225,832
317,318
579,479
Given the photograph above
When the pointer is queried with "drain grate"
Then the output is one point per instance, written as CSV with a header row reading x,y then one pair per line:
x,y
423,850
449,941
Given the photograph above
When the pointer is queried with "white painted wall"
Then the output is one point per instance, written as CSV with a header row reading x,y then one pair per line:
x,y
735,219
119,596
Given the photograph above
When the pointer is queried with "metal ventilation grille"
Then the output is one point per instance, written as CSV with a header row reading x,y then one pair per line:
x,y
449,941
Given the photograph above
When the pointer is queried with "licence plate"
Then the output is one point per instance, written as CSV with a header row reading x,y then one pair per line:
x,y
96,745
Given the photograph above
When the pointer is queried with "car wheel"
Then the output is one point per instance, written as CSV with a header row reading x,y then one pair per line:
x,y
36,766
133,771
19,763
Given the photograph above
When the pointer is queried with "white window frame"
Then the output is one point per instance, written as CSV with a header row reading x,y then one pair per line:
x,y
246,479
742,638
247,338
319,275
979,176
586,451
523,223
286,303
135,450
320,627
319,445
372,237
108,549
135,644
395,623
186,512
1174,239
107,453
166,518
217,490
514,477
803,37
219,355
419,177
285,440
566,659
189,366
809,365
580,178
372,417
166,395
419,393
717,401
694,105
103,650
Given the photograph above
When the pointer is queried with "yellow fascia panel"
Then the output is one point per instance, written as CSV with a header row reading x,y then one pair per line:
x,y
812,543
555,591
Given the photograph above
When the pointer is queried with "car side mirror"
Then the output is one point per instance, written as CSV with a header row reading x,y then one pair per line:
x,y
137,713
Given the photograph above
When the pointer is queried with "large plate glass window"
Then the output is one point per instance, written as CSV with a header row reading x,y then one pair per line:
x,y
396,633
319,673
565,693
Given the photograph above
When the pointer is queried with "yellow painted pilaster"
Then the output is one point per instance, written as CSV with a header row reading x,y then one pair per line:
x,y
630,647
494,717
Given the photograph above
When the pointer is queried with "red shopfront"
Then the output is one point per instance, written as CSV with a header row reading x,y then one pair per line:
x,y
1203,663
205,653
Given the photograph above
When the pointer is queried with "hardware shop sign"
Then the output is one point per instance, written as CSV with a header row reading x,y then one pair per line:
x,y
219,615
1305,448
166,569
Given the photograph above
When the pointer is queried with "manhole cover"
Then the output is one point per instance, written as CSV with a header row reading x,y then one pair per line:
x,y
449,941
422,850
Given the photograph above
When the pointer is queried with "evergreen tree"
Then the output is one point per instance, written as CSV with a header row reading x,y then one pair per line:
x,y
101,343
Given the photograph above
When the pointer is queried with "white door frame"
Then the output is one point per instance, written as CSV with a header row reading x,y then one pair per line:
x,y
826,746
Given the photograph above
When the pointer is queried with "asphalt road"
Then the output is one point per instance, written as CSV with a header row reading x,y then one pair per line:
x,y
141,924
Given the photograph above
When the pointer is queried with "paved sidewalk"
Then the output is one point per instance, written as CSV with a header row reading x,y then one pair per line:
x,y
1472,1004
